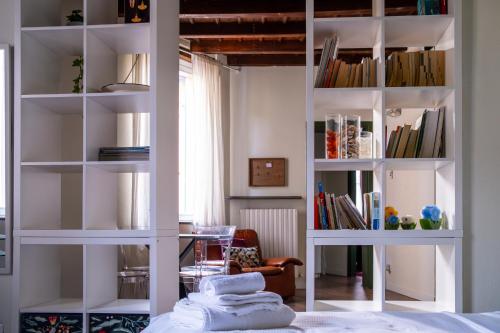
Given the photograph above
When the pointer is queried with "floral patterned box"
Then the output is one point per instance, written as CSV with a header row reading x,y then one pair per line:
x,y
51,323
124,323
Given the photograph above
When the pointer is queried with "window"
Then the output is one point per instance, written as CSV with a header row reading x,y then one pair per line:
x,y
186,178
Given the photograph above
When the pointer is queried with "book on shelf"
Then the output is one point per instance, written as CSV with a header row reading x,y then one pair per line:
x,y
432,7
371,210
335,73
412,69
333,212
124,153
426,139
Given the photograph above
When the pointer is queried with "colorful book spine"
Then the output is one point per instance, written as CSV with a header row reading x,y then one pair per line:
x,y
324,218
444,7
375,210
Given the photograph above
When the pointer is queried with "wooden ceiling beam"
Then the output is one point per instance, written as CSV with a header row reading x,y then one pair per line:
x,y
242,30
210,46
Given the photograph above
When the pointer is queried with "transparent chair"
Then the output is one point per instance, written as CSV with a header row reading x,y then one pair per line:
x,y
203,237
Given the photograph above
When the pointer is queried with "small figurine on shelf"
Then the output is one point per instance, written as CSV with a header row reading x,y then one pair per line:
x,y
75,18
408,222
391,218
431,218
77,82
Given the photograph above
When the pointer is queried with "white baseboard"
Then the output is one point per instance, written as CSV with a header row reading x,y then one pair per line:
x,y
416,294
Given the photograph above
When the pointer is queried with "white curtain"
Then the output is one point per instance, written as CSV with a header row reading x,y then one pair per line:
x,y
208,153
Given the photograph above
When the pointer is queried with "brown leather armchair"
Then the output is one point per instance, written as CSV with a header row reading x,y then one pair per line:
x,y
279,273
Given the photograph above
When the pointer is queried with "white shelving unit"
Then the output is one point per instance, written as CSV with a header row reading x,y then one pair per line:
x,y
379,32
66,232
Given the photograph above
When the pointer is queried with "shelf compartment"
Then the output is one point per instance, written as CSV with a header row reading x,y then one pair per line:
x,y
106,128
103,285
416,97
109,198
418,31
51,196
52,129
346,165
346,98
410,190
46,61
106,46
123,102
353,32
52,278
422,276
40,13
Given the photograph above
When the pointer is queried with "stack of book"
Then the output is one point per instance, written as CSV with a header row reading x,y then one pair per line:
x,y
411,69
342,75
124,154
339,212
425,140
432,7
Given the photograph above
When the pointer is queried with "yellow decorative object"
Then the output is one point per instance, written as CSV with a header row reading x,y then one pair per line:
x,y
136,19
142,6
389,211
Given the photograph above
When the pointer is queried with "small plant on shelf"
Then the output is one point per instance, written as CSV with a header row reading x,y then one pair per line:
x,y
75,18
408,222
78,81
391,218
431,217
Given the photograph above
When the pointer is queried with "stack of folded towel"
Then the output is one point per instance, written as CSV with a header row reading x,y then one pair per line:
x,y
232,302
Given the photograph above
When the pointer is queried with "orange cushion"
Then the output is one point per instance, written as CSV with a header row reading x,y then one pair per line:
x,y
265,270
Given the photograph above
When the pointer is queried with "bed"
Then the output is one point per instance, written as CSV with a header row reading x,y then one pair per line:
x,y
360,322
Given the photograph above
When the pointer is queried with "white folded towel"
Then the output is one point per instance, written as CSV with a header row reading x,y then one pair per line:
x,y
236,299
199,317
232,284
243,305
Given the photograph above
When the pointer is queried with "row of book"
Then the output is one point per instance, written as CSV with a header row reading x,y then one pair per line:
x,y
425,140
124,153
343,75
432,7
333,212
410,69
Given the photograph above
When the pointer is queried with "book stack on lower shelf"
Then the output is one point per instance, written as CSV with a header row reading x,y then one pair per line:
x,y
333,212
432,7
412,69
424,140
124,154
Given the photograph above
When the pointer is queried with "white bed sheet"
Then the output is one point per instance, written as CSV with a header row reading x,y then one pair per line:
x,y
361,322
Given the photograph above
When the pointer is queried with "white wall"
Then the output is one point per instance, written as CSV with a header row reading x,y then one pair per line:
x,y
6,36
268,120
481,155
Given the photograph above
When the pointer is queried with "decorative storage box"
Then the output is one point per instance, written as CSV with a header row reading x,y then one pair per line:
x,y
126,323
51,322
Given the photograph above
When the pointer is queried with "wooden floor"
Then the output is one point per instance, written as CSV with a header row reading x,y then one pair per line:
x,y
331,287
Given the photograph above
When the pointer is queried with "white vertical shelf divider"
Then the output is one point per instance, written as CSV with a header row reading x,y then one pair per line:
x,y
98,241
394,32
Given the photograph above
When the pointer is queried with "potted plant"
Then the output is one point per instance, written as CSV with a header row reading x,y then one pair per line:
x,y
391,218
77,82
75,18
431,217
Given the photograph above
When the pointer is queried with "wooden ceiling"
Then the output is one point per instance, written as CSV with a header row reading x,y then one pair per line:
x,y
268,32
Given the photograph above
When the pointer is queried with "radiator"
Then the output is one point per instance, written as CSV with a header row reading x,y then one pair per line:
x,y
277,230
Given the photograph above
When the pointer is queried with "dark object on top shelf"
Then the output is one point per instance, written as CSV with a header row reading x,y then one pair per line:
x,y
124,154
75,18
136,11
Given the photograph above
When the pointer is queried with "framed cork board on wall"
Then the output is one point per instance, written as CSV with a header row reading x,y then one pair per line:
x,y
267,172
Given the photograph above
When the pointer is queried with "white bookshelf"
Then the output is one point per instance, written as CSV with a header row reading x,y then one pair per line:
x,y
379,32
66,230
